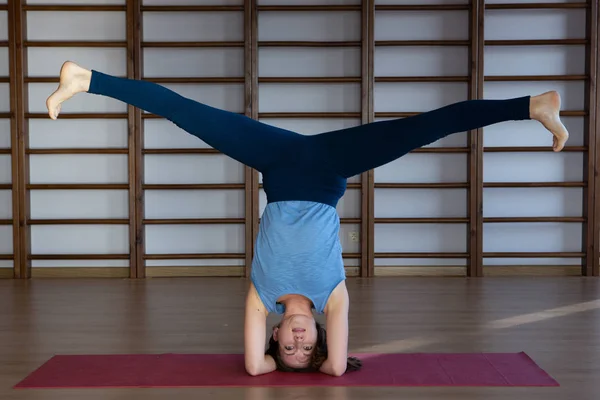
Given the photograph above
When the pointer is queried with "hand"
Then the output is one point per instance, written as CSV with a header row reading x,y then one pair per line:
x,y
354,364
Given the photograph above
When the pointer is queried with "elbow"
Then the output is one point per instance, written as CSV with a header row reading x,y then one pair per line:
x,y
253,370
338,370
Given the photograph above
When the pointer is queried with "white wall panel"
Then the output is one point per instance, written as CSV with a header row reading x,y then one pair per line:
x,y
76,2
424,168
313,61
6,239
77,168
67,204
309,97
534,24
192,168
309,26
305,2
420,238
531,133
4,97
5,168
572,92
194,62
78,133
419,203
420,2
194,204
4,61
195,263
76,25
312,126
193,26
401,25
47,61
5,133
533,167
421,61
193,2
391,97
531,237
79,263
3,25
79,239
168,239
534,60
81,103
229,97
393,262
349,205
5,204
527,202
161,133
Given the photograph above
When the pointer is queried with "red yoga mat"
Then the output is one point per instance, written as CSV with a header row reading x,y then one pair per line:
x,y
220,370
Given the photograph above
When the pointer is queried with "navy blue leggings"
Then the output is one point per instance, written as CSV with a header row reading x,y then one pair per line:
x,y
344,153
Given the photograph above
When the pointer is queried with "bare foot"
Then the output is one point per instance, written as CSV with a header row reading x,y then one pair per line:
x,y
73,79
545,108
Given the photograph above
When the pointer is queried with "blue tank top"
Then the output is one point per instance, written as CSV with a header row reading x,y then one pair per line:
x,y
298,251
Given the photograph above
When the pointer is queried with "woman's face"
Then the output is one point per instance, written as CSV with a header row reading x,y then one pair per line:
x,y
297,337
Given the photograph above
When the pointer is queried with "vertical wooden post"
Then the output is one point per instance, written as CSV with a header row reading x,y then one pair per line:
x,y
137,267
251,110
368,178
590,234
475,162
19,139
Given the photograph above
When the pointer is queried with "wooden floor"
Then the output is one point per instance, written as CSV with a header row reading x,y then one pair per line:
x,y
555,320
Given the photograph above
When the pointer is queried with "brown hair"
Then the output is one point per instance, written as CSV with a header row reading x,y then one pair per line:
x,y
318,356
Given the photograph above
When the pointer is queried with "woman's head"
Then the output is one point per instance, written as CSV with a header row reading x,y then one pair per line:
x,y
298,344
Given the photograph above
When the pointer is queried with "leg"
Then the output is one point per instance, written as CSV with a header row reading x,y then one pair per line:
x,y
250,142
358,149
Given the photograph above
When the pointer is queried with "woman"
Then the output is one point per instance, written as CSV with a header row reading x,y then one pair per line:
x,y
298,264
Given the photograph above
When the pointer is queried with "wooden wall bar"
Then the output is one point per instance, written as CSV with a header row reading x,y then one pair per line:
x,y
135,151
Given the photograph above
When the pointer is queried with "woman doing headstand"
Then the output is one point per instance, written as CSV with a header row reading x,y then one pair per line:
x,y
297,266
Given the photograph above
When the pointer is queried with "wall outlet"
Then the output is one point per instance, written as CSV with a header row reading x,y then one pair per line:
x,y
353,236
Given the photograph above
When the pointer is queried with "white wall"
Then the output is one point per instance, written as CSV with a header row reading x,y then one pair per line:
x,y
273,97
6,234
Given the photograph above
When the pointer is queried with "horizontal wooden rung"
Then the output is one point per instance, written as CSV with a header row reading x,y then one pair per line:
x,y
534,255
4,79
78,115
534,78
310,79
6,221
71,43
193,221
78,151
78,257
311,7
531,149
395,43
420,185
275,43
5,186
533,6
192,8
195,256
532,219
87,221
194,186
182,151
7,256
421,255
192,44
309,115
78,186
74,7
536,42
5,151
533,184
424,220
422,7
423,79
196,79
